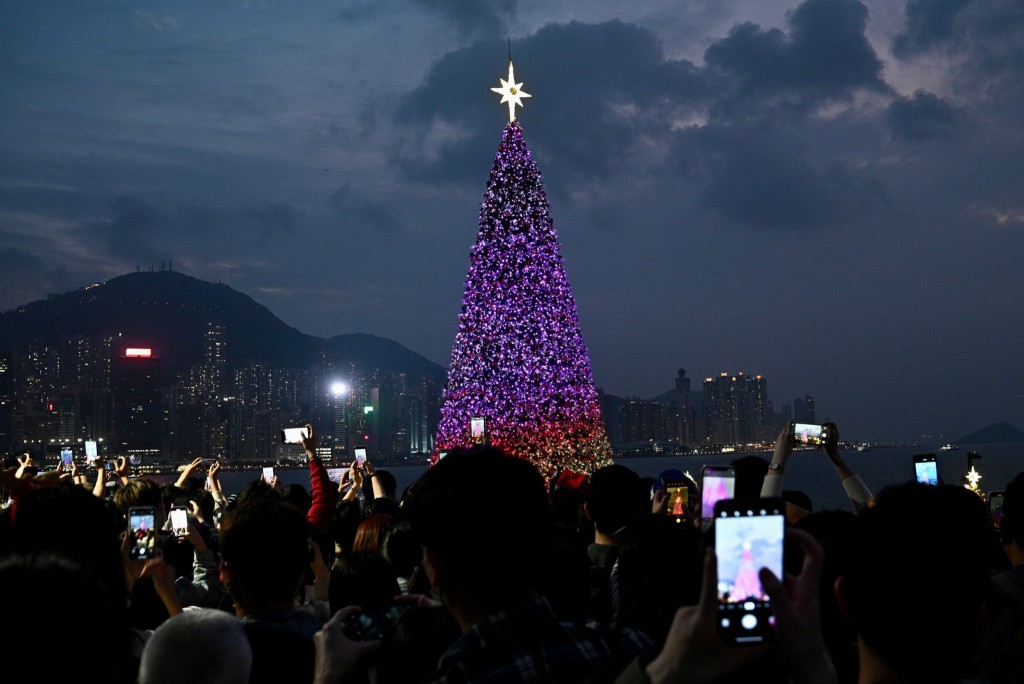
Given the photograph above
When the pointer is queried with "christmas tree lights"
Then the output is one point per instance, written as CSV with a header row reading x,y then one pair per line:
x,y
519,360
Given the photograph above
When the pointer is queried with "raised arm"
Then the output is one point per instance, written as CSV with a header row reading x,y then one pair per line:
x,y
855,488
325,496
773,481
100,488
378,489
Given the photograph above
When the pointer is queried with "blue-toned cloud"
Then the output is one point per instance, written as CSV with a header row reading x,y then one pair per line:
x,y
929,24
922,117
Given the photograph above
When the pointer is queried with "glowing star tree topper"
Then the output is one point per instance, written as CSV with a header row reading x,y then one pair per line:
x,y
519,361
511,92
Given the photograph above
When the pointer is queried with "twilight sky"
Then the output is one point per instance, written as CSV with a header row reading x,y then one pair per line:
x,y
828,192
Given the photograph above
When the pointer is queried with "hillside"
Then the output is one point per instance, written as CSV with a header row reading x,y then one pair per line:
x,y
170,311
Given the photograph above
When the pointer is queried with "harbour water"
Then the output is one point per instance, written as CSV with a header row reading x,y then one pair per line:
x,y
809,471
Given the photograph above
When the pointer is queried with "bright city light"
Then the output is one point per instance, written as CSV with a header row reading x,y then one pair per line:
x,y
338,388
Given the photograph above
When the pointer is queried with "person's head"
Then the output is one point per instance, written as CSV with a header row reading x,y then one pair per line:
x,y
615,497
401,549
198,646
659,569
41,592
916,579
141,492
388,483
265,551
384,506
257,489
468,512
347,517
371,532
362,578
298,495
750,472
1011,527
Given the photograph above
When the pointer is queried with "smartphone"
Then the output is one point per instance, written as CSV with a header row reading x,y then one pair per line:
x,y
179,521
748,537
91,451
67,457
294,435
268,475
476,430
678,497
370,624
926,469
441,454
108,465
360,453
995,508
142,532
716,483
809,434
335,474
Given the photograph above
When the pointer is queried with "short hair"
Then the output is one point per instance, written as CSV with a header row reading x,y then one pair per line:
x,y
362,578
387,482
198,646
371,532
750,472
1012,525
917,575
615,497
139,492
401,549
484,515
266,545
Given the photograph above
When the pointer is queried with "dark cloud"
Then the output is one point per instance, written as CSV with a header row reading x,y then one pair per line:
x,y
929,24
273,218
130,232
474,17
757,179
824,57
608,82
23,275
357,213
922,117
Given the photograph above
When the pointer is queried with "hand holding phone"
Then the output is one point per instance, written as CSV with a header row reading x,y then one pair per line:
x,y
268,475
179,521
809,434
294,435
371,624
748,537
142,534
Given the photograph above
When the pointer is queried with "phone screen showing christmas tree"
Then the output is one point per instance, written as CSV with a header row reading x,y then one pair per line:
x,y
678,497
748,537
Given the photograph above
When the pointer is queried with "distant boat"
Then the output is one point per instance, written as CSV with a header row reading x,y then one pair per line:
x,y
949,447
863,447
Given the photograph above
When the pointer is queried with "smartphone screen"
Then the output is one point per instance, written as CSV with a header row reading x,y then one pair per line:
x,y
293,435
179,521
717,484
91,451
995,508
678,497
360,453
335,474
66,458
268,475
926,469
142,531
748,537
476,430
808,433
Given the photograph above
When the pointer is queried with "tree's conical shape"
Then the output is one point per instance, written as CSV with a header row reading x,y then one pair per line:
x,y
519,360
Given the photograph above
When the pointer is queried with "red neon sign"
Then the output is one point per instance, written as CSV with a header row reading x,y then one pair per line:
x,y
134,352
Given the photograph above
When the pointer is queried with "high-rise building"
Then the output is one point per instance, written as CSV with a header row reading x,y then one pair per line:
x,y
138,403
7,396
736,409
683,424
642,420
804,411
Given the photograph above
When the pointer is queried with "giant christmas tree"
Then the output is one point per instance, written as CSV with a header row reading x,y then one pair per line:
x,y
519,360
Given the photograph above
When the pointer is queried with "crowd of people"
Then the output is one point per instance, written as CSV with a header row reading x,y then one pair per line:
x,y
481,571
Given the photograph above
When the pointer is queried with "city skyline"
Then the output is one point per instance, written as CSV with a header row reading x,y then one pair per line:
x,y
826,192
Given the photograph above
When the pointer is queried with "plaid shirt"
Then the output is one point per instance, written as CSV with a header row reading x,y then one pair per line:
x,y
529,644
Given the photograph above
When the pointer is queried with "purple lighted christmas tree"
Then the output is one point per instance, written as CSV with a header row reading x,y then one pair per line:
x,y
519,360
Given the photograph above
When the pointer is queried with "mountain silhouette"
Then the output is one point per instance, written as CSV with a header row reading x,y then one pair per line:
x,y
169,312
996,433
